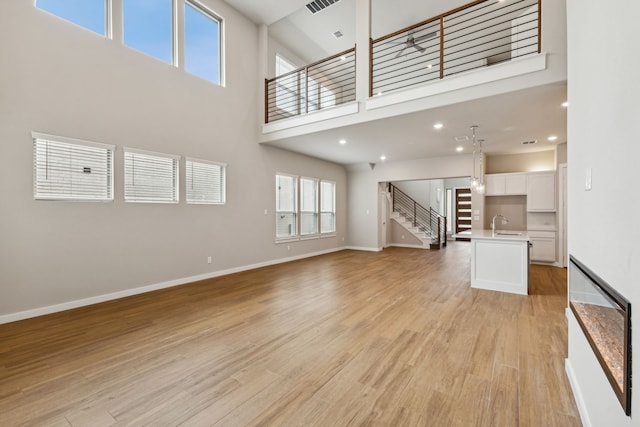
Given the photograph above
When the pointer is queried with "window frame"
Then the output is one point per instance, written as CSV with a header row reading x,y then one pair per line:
x,y
223,180
314,212
109,167
333,211
298,235
295,235
199,7
176,176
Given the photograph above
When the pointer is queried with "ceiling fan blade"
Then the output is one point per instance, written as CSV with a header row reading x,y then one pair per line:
x,y
400,53
424,37
420,48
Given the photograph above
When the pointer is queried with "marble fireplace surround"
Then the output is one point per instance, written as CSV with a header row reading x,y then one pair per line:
x,y
605,318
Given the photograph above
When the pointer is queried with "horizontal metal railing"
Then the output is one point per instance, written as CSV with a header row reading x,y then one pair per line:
x,y
323,84
427,220
479,34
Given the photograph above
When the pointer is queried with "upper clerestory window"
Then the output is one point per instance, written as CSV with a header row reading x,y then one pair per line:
x,y
148,27
90,14
202,41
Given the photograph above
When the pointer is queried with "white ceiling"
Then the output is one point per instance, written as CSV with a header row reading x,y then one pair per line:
x,y
505,120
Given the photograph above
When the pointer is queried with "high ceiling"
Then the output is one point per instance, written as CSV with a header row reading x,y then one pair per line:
x,y
505,120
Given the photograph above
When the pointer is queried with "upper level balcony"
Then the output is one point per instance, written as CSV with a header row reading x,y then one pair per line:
x,y
496,45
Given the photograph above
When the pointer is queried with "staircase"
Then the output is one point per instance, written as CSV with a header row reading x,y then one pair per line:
x,y
426,225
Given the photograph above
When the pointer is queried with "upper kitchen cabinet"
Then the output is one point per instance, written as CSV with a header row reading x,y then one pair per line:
x,y
541,192
506,184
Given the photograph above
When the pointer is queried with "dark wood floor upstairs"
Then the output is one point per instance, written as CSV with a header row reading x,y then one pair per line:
x,y
352,338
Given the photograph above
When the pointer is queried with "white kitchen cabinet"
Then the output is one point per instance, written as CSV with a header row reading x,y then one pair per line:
x,y
543,246
541,192
506,184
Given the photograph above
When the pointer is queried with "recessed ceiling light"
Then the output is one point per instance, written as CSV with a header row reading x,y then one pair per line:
x,y
343,141
429,66
379,93
565,104
383,157
459,149
343,58
438,126
552,138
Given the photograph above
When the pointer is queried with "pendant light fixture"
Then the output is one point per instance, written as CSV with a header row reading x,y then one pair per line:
x,y
477,182
474,180
480,186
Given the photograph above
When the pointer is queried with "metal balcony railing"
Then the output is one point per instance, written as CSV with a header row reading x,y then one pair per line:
x,y
479,34
323,84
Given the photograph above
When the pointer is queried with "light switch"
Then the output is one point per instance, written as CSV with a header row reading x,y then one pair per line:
x,y
587,180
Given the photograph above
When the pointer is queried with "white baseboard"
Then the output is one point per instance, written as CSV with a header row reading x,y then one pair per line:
x,y
402,245
362,248
582,408
41,311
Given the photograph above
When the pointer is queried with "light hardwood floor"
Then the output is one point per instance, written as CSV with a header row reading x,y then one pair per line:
x,y
395,338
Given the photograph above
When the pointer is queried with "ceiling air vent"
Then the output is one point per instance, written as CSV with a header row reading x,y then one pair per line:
x,y
529,142
338,34
317,5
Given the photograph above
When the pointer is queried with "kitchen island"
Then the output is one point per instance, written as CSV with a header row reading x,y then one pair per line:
x,y
500,260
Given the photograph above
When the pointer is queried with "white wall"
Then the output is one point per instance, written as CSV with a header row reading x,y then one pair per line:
x,y
63,80
603,136
363,191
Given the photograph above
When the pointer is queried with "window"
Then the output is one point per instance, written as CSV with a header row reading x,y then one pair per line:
x,y
286,207
308,206
148,27
327,207
90,14
205,182
150,177
70,169
202,42
286,87
303,198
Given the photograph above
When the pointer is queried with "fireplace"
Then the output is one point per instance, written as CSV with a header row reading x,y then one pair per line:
x,y
605,318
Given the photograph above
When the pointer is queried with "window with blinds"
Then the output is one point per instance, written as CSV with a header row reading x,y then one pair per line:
x,y
71,169
286,207
205,182
150,177
327,207
308,206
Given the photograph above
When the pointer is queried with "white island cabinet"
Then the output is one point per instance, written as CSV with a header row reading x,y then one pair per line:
x,y
500,262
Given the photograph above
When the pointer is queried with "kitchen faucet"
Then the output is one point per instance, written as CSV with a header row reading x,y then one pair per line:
x,y
493,222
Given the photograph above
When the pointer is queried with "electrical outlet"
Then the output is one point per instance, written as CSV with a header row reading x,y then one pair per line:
x,y
208,260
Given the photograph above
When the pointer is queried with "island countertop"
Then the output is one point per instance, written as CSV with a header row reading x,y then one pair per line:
x,y
518,235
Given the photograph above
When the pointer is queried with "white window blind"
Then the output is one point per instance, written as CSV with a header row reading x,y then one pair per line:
x,y
327,207
71,169
308,206
286,207
205,182
150,177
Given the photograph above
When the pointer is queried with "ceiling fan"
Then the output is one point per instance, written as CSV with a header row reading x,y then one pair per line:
x,y
412,41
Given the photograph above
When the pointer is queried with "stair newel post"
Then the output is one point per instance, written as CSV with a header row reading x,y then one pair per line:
x,y
439,230
415,217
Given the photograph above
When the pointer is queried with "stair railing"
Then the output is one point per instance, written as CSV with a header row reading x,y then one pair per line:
x,y
426,220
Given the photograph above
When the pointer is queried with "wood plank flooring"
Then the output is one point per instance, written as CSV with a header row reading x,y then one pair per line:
x,y
395,338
